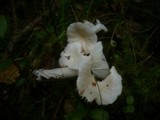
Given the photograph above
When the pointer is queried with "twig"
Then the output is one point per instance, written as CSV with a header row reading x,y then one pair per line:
x,y
144,60
134,53
15,21
18,33
59,104
74,13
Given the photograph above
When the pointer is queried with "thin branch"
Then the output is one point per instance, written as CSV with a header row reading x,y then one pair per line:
x,y
14,15
74,13
19,33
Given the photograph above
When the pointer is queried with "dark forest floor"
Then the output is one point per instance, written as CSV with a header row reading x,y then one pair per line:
x,y
32,36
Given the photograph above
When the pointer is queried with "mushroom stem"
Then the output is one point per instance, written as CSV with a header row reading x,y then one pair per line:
x,y
56,73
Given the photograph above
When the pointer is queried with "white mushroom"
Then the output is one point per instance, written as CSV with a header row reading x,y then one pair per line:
x,y
100,67
110,88
85,80
70,59
69,62
85,33
71,56
79,32
98,27
56,73
103,92
83,55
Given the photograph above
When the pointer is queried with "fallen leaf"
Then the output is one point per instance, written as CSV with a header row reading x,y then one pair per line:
x,y
9,75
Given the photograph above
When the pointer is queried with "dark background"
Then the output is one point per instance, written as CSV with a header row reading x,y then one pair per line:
x,y
35,36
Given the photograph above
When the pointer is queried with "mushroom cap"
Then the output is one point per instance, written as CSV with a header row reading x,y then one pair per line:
x,y
80,32
71,56
100,67
85,80
110,88
103,92
85,33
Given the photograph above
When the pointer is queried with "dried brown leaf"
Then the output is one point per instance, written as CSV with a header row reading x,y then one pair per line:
x,y
9,75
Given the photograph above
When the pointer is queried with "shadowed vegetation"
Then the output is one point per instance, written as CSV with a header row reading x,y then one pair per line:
x,y
32,36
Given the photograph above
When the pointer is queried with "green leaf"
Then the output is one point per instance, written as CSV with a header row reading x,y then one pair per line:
x,y
3,26
4,64
130,99
99,114
23,64
78,114
129,109
39,34
113,43
20,82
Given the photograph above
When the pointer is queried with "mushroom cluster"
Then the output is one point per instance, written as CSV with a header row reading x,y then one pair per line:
x,y
83,57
